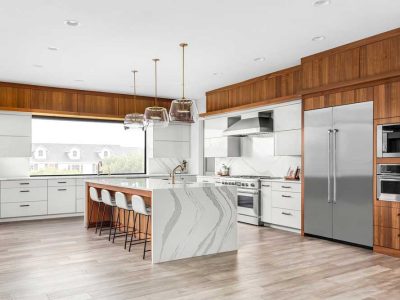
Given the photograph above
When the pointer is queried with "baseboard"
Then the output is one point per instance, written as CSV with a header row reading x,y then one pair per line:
x,y
290,229
386,251
6,220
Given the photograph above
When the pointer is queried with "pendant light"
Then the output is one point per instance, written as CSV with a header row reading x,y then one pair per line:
x,y
134,120
156,116
183,110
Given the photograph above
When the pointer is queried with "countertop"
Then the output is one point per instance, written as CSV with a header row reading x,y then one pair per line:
x,y
92,176
150,184
262,180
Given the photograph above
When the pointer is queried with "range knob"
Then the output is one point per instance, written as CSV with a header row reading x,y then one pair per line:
x,y
253,185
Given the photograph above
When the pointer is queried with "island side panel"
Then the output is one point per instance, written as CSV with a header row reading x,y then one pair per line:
x,y
189,222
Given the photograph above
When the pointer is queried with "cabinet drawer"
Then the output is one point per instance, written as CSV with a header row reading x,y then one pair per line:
x,y
286,187
387,217
23,209
387,237
23,194
23,183
80,205
61,182
286,217
61,200
286,200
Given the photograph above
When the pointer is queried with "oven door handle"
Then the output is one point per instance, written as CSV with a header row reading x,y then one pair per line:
x,y
389,178
249,193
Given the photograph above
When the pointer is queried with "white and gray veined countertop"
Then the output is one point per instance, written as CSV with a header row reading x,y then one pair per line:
x,y
91,176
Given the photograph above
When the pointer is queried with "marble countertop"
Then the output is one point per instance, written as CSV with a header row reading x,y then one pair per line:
x,y
92,176
150,184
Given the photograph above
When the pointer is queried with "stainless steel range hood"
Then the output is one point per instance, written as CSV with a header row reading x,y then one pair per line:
x,y
261,124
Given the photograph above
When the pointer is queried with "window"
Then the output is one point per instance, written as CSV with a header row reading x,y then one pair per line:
x,y
72,147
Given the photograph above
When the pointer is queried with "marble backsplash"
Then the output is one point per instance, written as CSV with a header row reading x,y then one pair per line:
x,y
164,165
257,158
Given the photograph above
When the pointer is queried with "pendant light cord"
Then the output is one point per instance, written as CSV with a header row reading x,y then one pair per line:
x,y
155,80
183,45
134,88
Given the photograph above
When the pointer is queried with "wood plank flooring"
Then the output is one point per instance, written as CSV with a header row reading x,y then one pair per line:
x,y
59,259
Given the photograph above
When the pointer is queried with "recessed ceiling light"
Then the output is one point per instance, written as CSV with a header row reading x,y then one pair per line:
x,y
259,59
321,2
318,38
38,66
73,23
51,48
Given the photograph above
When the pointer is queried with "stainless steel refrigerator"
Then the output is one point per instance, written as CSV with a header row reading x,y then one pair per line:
x,y
338,167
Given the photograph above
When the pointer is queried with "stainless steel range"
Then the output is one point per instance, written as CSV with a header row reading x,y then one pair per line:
x,y
248,194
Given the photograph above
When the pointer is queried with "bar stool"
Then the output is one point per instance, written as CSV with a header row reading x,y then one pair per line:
x,y
94,196
108,201
122,203
139,206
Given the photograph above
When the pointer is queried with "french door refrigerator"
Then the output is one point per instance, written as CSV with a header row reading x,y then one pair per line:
x,y
338,155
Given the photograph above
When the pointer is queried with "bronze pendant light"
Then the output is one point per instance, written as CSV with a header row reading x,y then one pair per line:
x,y
134,120
183,110
155,115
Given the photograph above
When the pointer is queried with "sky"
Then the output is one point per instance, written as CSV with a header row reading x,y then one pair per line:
x,y
47,130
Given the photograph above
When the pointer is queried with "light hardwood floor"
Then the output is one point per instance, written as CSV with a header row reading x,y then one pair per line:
x,y
59,259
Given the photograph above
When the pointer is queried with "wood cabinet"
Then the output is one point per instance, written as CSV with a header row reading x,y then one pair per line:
x,y
218,100
97,105
54,100
387,216
14,97
387,100
387,237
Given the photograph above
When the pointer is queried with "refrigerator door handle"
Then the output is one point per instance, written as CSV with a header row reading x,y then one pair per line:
x,y
335,131
329,164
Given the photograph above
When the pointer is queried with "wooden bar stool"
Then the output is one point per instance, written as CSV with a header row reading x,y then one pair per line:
x,y
94,196
139,206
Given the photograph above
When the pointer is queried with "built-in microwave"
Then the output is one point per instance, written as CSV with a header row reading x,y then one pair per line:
x,y
388,140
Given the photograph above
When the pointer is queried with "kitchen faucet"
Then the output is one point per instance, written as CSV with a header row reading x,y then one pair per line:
x,y
181,166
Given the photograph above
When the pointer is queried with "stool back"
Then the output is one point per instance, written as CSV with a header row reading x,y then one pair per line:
x,y
121,200
93,194
138,205
106,197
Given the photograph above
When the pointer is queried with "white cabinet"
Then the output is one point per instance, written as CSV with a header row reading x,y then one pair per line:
x,y
80,198
23,209
288,142
15,134
286,217
227,146
169,142
215,127
287,117
266,201
61,200
23,194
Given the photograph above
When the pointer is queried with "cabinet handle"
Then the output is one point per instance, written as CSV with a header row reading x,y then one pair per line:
x,y
24,191
24,205
286,214
24,183
61,182
61,190
285,196
286,187
266,185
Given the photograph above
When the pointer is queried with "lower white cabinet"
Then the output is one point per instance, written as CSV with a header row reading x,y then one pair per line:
x,y
23,209
80,198
288,142
61,200
286,217
266,202
14,195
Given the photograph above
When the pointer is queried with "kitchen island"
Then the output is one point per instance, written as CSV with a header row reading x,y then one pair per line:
x,y
188,219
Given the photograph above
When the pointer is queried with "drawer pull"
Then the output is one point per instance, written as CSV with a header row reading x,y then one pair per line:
x,y
61,182
266,185
24,205
24,191
61,190
286,187
285,196
24,183
286,214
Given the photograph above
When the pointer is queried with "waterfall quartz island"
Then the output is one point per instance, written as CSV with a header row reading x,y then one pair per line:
x,y
188,219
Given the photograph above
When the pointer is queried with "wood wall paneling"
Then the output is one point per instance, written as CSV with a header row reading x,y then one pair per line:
x,y
218,100
98,105
126,105
14,97
54,100
142,103
166,103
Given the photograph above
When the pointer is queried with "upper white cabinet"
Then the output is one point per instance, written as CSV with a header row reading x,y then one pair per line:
x,y
287,117
169,142
15,134
215,143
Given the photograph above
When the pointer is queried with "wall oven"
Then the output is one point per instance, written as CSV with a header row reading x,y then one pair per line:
x,y
388,140
388,182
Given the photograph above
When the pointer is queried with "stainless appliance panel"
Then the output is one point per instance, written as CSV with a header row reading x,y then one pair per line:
x,y
353,166
388,140
388,188
317,172
248,202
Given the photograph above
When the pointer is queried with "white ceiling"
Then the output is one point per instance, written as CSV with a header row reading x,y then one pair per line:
x,y
224,37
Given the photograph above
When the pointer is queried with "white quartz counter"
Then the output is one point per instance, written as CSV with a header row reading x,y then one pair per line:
x,y
92,176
